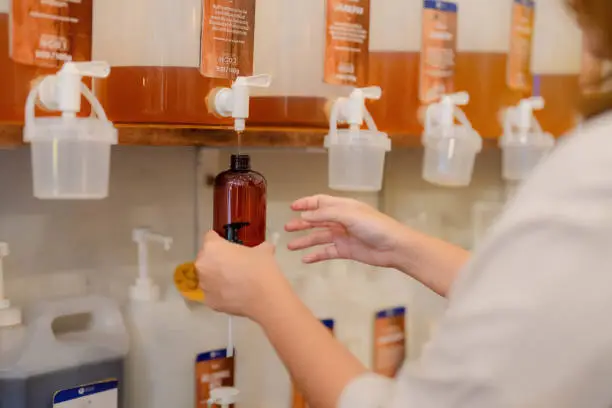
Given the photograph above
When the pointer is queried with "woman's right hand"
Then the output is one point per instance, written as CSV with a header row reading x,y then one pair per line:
x,y
342,228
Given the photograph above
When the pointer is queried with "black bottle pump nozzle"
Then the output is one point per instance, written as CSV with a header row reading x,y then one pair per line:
x,y
231,231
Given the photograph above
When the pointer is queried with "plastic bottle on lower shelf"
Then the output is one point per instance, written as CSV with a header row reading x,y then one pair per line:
x,y
171,343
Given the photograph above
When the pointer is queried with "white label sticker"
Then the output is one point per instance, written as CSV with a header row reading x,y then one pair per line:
x,y
98,395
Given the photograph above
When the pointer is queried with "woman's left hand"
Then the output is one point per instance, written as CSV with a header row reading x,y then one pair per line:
x,y
238,280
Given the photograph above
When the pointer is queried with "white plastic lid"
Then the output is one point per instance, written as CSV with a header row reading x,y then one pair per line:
x,y
47,129
10,317
359,138
223,396
464,136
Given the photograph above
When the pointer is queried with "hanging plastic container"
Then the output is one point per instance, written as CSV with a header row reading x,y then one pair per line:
x,y
523,144
67,343
450,149
70,155
356,156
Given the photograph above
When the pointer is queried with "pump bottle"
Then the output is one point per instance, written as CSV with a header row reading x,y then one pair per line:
x,y
239,208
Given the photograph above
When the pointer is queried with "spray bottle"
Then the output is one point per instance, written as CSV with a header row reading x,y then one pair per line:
x,y
523,143
450,149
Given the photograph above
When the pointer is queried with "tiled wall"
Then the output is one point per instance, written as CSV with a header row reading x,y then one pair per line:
x,y
87,245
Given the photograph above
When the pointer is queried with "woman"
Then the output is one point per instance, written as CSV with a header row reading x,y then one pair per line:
x,y
528,322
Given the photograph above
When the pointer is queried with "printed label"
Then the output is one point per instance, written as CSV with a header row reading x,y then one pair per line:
x,y
521,39
298,398
347,42
98,395
437,73
46,33
213,369
228,38
389,341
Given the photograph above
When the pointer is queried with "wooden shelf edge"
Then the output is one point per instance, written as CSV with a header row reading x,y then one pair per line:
x,y
159,135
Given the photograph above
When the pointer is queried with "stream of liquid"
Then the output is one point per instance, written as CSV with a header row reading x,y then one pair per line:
x,y
239,147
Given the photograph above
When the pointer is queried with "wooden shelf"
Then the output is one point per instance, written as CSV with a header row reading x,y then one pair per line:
x,y
159,135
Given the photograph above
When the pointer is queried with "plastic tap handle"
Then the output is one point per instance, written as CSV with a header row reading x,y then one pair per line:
x,y
93,69
370,92
535,103
458,98
256,81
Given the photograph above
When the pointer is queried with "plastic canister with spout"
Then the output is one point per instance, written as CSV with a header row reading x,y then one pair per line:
x,y
356,156
60,144
66,343
166,337
450,149
523,143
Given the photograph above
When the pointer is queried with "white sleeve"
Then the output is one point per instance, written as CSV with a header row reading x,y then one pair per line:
x,y
528,325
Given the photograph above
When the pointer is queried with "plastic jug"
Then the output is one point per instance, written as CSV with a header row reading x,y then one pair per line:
x,y
49,355
450,149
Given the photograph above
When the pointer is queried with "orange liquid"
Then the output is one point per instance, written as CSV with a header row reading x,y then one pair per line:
x,y
16,80
168,95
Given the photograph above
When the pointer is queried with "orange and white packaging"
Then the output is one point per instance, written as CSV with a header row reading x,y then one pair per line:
x,y
213,369
437,70
298,398
48,33
389,341
347,42
228,38
518,69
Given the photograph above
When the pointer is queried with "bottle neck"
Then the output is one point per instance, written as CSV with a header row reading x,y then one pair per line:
x,y
240,162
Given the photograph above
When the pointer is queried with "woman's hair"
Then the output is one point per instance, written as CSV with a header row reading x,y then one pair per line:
x,y
595,20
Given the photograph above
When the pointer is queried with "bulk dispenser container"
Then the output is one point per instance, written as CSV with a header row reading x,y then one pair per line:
x,y
34,42
65,344
450,149
154,49
557,59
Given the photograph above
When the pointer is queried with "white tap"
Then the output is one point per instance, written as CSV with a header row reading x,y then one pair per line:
x,y
62,91
441,115
353,111
234,102
145,289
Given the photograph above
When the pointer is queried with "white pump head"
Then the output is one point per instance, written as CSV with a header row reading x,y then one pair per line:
x,y
9,316
524,112
145,289
446,108
62,91
352,110
234,102
223,397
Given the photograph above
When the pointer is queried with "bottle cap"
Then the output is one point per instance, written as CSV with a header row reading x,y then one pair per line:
x,y
187,282
240,162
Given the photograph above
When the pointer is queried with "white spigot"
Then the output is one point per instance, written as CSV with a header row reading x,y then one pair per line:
x,y
524,112
353,111
223,397
443,113
145,289
9,316
234,102
62,91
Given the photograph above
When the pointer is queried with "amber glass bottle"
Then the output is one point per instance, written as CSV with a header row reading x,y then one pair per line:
x,y
240,203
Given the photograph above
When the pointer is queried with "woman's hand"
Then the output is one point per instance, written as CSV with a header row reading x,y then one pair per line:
x,y
342,228
239,280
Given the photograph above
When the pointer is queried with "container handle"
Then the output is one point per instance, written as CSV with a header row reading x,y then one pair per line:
x,y
104,312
